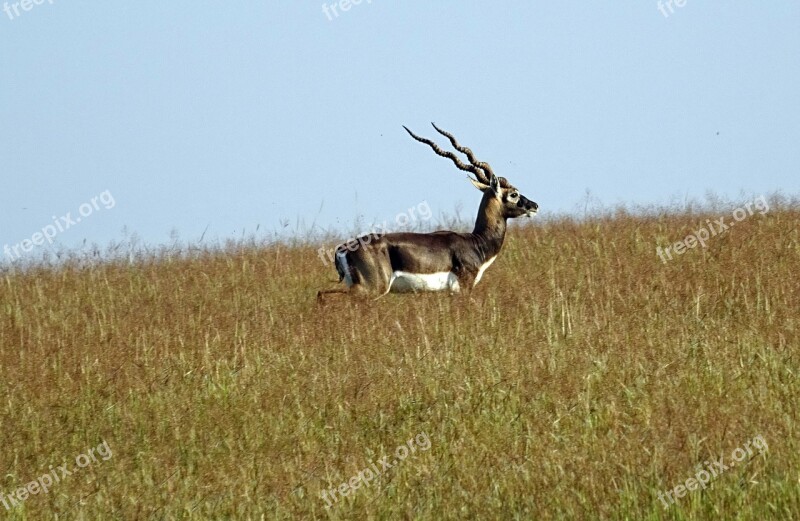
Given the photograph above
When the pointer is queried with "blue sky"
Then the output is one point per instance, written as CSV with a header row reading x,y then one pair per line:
x,y
201,115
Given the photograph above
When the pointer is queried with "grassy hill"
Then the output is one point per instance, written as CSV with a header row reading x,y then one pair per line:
x,y
585,377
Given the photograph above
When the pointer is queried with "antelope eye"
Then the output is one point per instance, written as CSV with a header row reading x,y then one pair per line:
x,y
514,195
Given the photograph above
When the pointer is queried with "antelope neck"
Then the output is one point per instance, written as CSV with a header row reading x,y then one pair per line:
x,y
490,229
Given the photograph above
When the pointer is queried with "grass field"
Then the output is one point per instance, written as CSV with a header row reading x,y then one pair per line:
x,y
584,378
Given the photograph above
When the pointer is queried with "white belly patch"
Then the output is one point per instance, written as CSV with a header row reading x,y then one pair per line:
x,y
404,282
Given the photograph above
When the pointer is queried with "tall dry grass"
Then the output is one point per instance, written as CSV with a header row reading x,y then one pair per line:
x,y
582,378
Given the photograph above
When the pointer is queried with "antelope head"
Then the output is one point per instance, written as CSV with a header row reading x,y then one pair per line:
x,y
501,198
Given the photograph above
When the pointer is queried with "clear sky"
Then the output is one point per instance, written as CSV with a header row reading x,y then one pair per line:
x,y
228,116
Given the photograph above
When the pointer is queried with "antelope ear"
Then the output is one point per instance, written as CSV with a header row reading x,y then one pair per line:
x,y
480,186
495,186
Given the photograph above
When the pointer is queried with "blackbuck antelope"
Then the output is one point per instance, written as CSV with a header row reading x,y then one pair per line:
x,y
377,264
